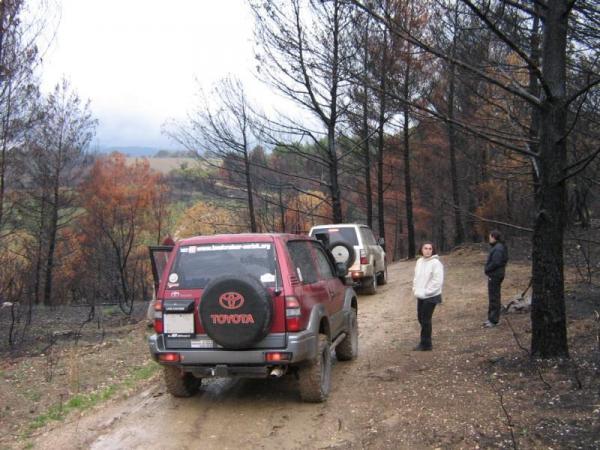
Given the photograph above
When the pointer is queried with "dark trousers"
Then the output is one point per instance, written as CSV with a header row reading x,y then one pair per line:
x,y
424,313
494,289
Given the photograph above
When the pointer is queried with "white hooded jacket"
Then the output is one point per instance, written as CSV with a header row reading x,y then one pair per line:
x,y
429,277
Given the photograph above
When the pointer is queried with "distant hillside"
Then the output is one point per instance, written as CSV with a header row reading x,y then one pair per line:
x,y
131,151
166,165
151,152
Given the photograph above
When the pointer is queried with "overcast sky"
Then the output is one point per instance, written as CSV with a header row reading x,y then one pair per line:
x,y
138,60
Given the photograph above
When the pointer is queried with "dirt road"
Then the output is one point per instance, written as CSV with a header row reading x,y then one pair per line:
x,y
472,391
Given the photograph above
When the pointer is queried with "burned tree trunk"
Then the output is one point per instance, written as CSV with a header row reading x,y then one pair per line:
x,y
548,316
410,226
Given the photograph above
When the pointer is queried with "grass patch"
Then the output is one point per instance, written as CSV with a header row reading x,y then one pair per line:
x,y
145,372
141,373
81,402
33,396
110,311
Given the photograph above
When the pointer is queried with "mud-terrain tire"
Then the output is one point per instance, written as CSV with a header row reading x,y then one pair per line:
x,y
382,277
315,377
371,285
180,383
236,311
347,350
343,253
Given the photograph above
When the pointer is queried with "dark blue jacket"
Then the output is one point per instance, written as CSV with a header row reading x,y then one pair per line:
x,y
496,262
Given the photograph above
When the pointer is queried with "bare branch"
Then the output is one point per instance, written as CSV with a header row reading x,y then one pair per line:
x,y
440,54
582,91
522,7
584,162
511,44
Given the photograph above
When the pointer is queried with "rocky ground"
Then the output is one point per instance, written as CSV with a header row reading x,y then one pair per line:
x,y
478,388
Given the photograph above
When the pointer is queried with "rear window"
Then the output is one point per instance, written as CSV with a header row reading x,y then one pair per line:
x,y
345,234
196,265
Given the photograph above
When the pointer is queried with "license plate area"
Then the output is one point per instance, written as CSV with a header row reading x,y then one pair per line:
x,y
178,324
203,343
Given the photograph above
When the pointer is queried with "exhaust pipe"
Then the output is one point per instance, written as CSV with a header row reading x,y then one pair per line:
x,y
277,372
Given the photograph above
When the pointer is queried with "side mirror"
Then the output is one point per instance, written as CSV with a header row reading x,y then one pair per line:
x,y
341,269
381,242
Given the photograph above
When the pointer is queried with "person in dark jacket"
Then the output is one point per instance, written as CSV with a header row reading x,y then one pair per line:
x,y
495,269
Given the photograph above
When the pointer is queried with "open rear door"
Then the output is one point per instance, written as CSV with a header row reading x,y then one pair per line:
x,y
159,256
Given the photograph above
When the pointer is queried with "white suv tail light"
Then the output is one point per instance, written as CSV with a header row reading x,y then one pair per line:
x,y
363,257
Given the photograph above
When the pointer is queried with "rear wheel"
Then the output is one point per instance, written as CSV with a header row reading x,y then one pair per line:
x,y
348,348
382,276
370,286
180,383
315,378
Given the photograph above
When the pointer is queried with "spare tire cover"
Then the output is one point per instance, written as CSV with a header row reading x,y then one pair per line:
x,y
236,311
342,253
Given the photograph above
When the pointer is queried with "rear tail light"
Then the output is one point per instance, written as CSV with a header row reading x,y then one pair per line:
x,y
292,313
278,356
169,357
363,257
158,316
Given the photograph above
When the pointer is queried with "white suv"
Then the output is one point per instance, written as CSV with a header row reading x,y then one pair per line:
x,y
355,245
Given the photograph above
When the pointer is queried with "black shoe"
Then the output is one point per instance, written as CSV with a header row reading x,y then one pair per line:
x,y
422,348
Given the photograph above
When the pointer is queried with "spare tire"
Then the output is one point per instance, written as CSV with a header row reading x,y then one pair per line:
x,y
236,312
342,253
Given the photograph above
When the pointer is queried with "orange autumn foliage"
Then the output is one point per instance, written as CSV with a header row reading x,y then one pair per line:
x,y
117,194
306,210
204,218
120,199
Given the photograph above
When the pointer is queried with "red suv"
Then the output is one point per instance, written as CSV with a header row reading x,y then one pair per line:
x,y
251,305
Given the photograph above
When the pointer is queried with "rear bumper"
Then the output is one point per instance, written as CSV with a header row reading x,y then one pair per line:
x,y
222,362
358,273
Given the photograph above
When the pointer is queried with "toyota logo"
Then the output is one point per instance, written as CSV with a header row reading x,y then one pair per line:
x,y
231,300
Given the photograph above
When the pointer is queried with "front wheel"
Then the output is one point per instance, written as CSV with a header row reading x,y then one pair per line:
x,y
315,378
180,383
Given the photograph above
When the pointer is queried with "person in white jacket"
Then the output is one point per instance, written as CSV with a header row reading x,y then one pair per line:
x,y
427,289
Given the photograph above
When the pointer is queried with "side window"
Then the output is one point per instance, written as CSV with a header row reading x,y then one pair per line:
x,y
306,270
323,262
368,237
